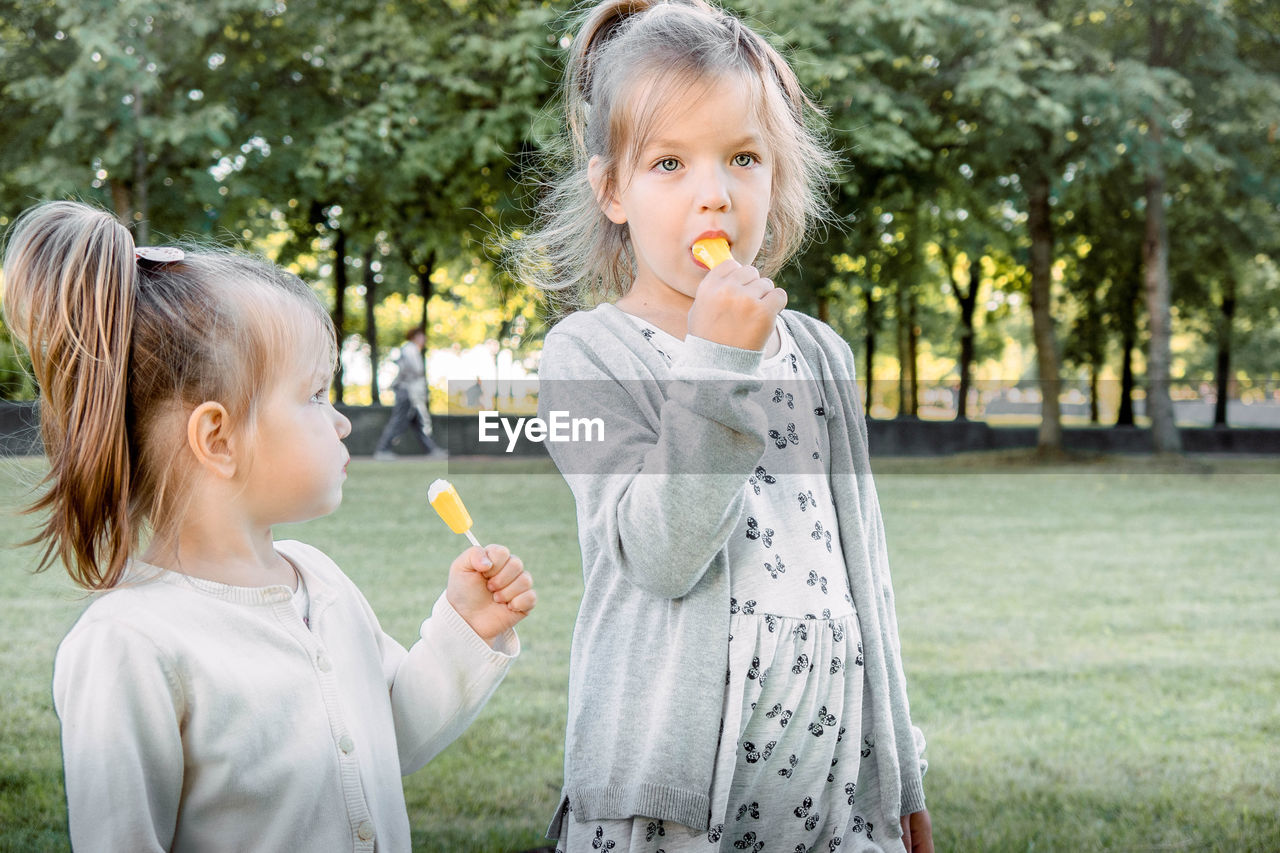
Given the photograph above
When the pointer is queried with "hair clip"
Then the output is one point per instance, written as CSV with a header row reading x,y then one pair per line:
x,y
158,254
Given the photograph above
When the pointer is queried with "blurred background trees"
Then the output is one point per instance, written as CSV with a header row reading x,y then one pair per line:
x,y
1074,203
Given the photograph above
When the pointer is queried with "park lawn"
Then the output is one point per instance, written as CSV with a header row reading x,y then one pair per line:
x,y
1091,649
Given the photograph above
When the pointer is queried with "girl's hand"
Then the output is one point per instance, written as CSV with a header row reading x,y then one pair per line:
x,y
490,590
917,832
734,306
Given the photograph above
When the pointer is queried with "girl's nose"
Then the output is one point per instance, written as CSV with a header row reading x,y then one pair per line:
x,y
343,425
713,191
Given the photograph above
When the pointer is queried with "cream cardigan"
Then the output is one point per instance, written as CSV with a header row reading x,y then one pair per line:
x,y
201,716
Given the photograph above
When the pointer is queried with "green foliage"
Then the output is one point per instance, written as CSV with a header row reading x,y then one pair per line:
x,y
131,103
15,370
402,132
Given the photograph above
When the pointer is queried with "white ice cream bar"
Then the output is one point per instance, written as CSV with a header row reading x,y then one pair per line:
x,y
444,500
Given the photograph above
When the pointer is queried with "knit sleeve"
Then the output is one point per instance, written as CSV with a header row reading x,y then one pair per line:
x,y
120,707
440,684
658,498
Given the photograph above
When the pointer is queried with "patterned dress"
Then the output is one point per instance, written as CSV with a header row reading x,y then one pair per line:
x,y
791,746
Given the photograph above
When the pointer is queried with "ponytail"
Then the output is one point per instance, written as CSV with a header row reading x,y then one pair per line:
x,y
70,280
122,352
605,21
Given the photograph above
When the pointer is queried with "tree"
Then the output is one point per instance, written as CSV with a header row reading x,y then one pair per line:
x,y
963,240
1193,127
1155,244
128,101
435,100
1029,95
919,89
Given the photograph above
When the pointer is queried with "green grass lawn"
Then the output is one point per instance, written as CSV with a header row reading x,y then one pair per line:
x,y
1092,649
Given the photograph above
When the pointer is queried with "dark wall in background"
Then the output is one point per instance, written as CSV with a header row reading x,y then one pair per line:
x,y
20,436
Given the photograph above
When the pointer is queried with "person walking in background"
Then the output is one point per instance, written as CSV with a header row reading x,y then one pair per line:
x,y
409,412
735,680
223,690
475,395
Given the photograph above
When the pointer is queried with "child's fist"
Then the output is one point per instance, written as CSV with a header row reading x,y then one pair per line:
x,y
734,306
490,589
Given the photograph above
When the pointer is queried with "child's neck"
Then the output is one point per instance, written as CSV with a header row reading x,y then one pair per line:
x,y
209,552
672,319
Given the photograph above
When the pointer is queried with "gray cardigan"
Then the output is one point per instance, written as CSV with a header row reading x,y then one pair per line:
x,y
656,504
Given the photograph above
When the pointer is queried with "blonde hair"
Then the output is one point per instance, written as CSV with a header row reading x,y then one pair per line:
x,y
118,348
574,252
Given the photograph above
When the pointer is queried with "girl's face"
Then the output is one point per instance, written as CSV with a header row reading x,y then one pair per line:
x,y
299,461
705,171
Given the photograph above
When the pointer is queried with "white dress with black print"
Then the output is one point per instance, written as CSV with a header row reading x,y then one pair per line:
x,y
792,744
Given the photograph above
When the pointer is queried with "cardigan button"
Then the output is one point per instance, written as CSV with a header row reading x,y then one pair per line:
x,y
322,662
365,831
346,744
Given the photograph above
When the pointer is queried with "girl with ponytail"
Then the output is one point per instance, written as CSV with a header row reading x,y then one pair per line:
x,y
735,678
222,690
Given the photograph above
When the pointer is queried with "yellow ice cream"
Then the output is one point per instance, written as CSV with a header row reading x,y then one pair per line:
x,y
444,499
712,251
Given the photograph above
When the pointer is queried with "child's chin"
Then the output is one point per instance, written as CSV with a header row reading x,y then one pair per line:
x,y
327,507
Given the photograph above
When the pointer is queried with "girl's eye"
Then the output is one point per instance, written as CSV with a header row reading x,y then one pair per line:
x,y
668,164
744,160
321,396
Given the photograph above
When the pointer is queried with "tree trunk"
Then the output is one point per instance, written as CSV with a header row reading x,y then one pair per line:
x,y
1040,227
901,295
1155,262
129,196
913,355
1097,341
1222,374
1094,367
424,283
868,294
339,305
142,212
968,299
371,323
1124,416
966,357
122,201
1041,230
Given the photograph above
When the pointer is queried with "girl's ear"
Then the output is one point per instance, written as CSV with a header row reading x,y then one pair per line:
x,y
608,204
209,437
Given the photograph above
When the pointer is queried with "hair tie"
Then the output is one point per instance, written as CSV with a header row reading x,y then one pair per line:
x,y
156,255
